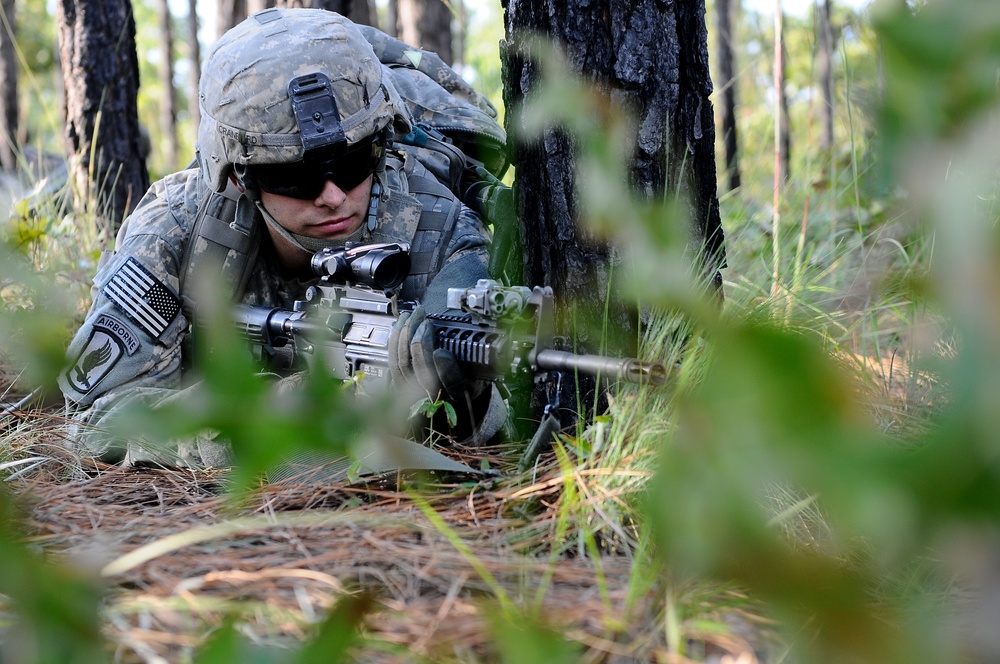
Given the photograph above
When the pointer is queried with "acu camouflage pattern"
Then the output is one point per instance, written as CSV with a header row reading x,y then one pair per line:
x,y
440,100
157,235
246,113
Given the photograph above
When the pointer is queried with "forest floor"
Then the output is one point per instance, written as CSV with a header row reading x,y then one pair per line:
x,y
435,569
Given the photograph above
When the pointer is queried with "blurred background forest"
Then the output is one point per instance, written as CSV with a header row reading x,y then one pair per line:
x,y
819,482
473,31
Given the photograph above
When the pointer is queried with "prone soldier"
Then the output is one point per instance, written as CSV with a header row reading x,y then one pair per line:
x,y
295,155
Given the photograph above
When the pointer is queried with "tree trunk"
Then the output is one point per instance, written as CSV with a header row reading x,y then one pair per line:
x,y
426,24
168,107
229,13
461,34
254,6
824,65
8,88
194,63
391,27
101,78
356,10
727,78
784,134
652,57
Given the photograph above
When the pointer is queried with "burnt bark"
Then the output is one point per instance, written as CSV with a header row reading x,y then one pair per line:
x,y
727,79
8,88
101,80
426,24
648,56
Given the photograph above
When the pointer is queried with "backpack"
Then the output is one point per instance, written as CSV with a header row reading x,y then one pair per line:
x,y
455,136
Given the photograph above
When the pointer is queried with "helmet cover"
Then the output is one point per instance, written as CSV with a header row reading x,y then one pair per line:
x,y
247,114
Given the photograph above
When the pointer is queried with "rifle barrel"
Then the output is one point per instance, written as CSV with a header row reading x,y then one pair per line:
x,y
626,369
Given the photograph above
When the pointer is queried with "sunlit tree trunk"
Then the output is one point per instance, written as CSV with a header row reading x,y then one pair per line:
x,y
728,83
194,62
653,58
427,25
824,66
9,108
101,79
168,107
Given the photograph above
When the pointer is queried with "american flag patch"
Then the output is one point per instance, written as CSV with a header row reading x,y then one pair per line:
x,y
142,297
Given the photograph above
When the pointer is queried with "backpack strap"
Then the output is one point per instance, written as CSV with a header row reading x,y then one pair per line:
x,y
437,223
224,241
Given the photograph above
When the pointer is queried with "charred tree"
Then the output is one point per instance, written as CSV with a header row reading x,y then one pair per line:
x,y
101,80
727,78
651,57
8,88
427,25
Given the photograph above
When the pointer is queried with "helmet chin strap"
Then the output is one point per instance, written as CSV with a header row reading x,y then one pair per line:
x,y
309,245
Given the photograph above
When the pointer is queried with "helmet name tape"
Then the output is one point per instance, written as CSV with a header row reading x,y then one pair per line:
x,y
315,111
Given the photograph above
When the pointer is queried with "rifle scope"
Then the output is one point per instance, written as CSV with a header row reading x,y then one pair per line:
x,y
380,266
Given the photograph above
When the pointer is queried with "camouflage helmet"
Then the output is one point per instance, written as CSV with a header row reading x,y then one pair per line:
x,y
247,115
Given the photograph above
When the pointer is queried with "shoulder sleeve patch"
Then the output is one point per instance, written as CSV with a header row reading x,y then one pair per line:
x,y
142,297
95,361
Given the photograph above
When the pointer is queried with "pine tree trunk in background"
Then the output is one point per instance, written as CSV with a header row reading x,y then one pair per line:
x,y
254,6
426,24
652,57
727,79
229,13
101,79
461,33
356,10
391,27
780,84
824,65
168,106
8,88
194,63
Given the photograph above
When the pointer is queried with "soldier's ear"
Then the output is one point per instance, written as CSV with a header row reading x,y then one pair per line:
x,y
235,181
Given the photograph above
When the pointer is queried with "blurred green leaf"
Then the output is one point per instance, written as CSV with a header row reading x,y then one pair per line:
x,y
56,608
522,640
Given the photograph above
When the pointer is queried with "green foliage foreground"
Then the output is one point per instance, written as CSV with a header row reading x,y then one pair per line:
x,y
757,408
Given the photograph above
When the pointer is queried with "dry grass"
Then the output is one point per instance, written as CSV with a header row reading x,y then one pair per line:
x,y
277,561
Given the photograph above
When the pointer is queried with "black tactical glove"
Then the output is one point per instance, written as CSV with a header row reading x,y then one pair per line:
x,y
414,361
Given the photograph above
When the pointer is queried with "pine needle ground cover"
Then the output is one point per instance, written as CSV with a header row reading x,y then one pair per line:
x,y
179,562
816,483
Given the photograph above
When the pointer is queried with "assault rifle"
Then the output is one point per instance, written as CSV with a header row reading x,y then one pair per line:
x,y
346,319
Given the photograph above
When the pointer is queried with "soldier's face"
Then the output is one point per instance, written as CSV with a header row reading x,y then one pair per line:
x,y
334,213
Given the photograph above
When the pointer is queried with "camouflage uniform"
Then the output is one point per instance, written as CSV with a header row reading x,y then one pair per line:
x,y
132,344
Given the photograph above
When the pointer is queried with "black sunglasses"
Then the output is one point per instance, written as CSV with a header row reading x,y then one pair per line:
x,y
305,179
